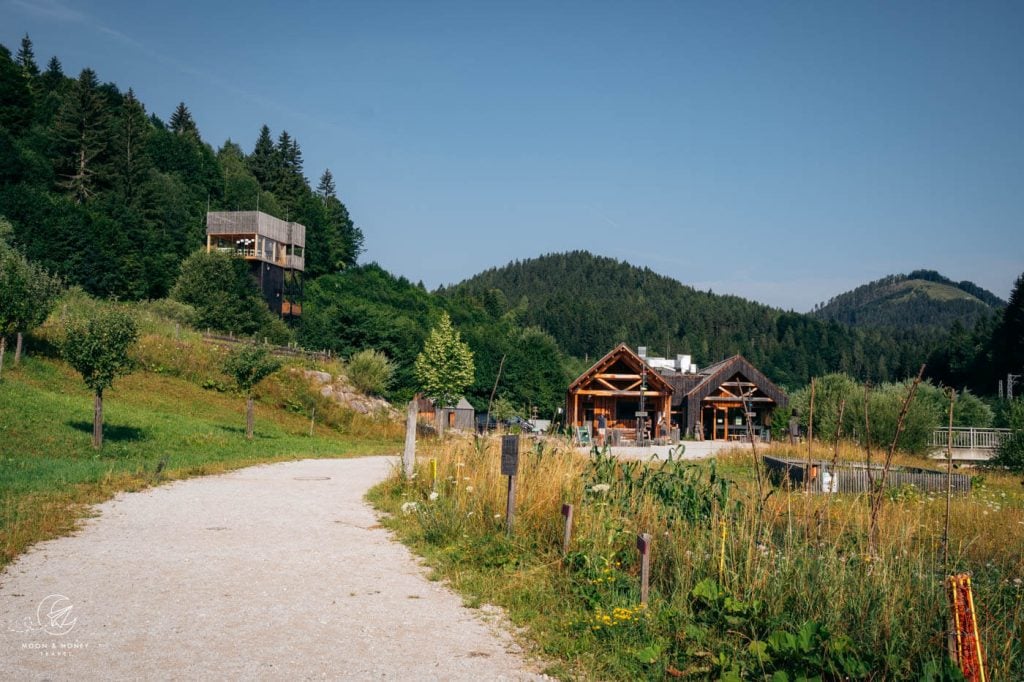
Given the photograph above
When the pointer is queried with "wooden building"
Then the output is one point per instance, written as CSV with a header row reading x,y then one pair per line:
x,y
709,404
462,417
274,249
618,387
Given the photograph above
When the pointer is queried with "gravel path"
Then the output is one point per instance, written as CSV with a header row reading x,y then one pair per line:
x,y
272,572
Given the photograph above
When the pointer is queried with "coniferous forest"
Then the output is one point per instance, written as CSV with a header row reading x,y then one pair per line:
x,y
112,198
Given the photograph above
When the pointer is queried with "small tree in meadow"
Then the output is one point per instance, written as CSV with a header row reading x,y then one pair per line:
x,y
445,367
27,295
97,347
248,366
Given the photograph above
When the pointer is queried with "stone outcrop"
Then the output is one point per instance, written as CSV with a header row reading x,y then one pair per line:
x,y
342,392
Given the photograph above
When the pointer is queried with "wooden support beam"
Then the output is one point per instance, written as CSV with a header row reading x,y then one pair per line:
x,y
618,393
616,376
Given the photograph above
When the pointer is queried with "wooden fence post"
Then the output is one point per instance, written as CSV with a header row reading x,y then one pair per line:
x,y
409,455
643,543
567,534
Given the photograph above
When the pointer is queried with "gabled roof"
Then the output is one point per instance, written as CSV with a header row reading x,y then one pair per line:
x,y
714,375
622,352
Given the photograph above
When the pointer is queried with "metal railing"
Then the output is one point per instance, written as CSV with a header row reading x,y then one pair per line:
x,y
969,438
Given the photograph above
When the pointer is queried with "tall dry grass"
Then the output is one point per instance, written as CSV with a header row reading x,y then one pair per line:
x,y
797,565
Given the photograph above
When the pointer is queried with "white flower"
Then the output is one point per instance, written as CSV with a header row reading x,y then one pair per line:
x,y
409,507
469,488
497,516
600,488
434,496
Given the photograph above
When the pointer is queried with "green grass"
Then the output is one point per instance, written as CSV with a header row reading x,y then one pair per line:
x,y
49,472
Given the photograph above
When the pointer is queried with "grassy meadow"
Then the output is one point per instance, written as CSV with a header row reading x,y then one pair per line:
x,y
174,417
784,590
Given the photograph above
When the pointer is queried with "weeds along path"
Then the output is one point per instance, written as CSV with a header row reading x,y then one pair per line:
x,y
272,572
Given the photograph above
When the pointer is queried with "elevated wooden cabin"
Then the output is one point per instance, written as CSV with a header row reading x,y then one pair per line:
x,y
274,248
709,404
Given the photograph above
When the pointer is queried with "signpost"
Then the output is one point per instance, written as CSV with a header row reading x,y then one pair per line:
x,y
510,468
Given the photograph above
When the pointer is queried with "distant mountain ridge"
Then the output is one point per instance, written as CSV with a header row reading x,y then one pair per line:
x,y
590,303
922,300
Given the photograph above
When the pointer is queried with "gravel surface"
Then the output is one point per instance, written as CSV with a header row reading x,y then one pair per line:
x,y
272,572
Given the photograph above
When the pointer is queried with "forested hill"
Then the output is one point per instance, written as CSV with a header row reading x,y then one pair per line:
x,y
923,300
590,303
113,198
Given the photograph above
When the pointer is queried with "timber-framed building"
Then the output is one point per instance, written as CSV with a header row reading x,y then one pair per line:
x,y
710,404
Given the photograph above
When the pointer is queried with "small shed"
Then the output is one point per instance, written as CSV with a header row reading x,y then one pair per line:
x,y
462,417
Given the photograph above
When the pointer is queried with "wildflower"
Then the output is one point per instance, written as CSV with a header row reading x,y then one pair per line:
x,y
497,516
434,496
409,507
461,464
469,488
600,488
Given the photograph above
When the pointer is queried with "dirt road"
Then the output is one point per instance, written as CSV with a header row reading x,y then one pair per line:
x,y
272,572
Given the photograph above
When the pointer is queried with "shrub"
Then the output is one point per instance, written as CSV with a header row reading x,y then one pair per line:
x,y
1011,452
370,371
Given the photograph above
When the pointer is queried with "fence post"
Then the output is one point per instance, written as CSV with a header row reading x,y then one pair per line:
x,y
409,455
567,534
643,543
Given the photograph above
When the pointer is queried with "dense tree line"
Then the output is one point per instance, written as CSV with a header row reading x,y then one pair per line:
x,y
113,199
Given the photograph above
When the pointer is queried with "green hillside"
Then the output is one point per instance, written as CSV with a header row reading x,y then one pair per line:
x,y
589,303
923,300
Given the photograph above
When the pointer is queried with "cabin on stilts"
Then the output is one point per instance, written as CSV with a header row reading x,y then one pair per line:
x,y
273,248
642,397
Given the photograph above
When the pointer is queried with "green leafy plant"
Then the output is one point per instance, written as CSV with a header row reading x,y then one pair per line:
x,y
248,366
370,371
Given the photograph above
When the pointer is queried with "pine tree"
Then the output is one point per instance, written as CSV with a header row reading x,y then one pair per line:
x,y
133,163
326,187
81,132
181,121
1008,340
263,160
445,367
27,59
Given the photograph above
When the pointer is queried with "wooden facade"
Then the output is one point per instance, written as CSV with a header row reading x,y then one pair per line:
x,y
712,404
617,387
274,249
462,417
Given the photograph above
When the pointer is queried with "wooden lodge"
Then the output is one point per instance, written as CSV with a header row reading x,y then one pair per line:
x,y
637,394
274,249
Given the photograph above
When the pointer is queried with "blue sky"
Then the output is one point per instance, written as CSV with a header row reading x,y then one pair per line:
x,y
784,152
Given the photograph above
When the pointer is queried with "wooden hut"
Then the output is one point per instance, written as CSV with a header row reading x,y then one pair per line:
x,y
623,389
462,417
712,404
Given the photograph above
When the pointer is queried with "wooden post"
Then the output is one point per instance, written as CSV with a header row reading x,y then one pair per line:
x,y
643,543
949,483
409,454
810,439
97,421
312,421
18,345
567,534
250,418
510,468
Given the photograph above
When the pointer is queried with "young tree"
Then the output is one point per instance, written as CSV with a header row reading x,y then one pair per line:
x,y
181,122
27,294
97,347
27,59
248,366
445,367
